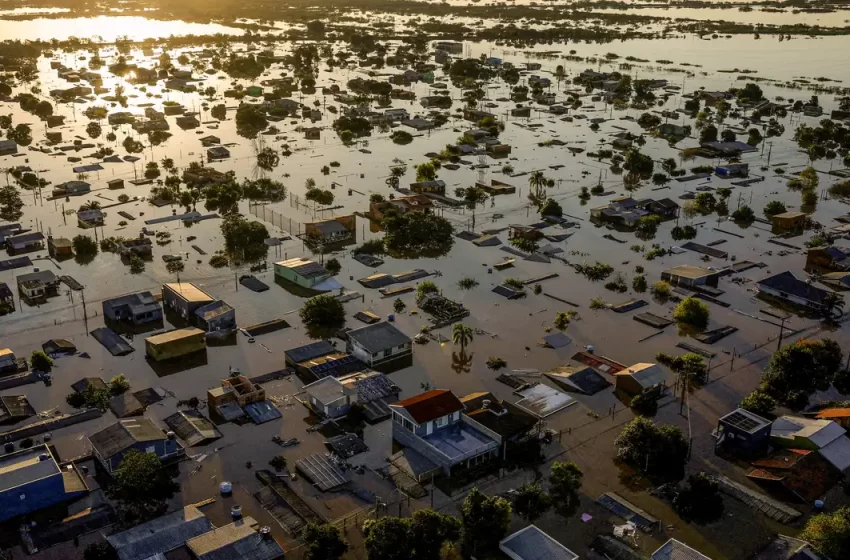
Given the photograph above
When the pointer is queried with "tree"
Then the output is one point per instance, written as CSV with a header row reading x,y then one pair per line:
x,y
773,208
141,487
639,283
537,184
461,335
700,501
424,288
644,404
531,502
705,203
40,361
388,538
333,266
485,523
175,266
708,134
278,462
119,384
760,403
692,311
84,246
807,180
10,203
426,171
551,208
429,530
744,215
829,533
219,112
524,244
799,369
398,305
100,551
244,240
647,226
323,542
417,234
565,481
831,301
658,451
323,311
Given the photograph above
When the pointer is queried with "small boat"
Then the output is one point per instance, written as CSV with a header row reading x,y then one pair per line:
x,y
507,263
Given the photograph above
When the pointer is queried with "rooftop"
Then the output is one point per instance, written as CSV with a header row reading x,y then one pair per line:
x,y
309,351
675,550
430,405
26,466
828,413
304,267
533,544
213,310
819,432
160,535
745,420
123,434
786,282
647,375
176,334
688,271
378,337
236,541
189,292
327,390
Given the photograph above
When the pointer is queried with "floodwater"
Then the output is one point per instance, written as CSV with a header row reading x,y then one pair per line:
x,y
509,329
107,28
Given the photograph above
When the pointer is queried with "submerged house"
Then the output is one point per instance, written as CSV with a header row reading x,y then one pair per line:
x,y
306,273
381,346
787,287
333,230
433,425
39,285
135,309
330,397
640,378
25,242
140,434
690,276
31,480
742,433
217,316
175,344
824,436
185,298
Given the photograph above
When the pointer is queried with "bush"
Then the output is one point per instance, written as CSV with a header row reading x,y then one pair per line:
x,y
84,246
692,311
744,215
496,363
425,288
551,208
639,283
278,462
661,289
598,303
119,384
333,266
687,232
373,247
596,272
773,208
645,404
41,361
700,501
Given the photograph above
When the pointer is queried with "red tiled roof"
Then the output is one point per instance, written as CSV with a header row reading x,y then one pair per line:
x,y
431,405
834,413
785,459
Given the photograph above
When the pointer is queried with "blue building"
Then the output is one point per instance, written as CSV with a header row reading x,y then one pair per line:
x,y
135,309
432,424
31,480
111,444
743,433
216,316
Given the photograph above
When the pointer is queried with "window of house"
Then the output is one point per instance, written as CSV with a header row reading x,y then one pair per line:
x,y
150,449
388,352
440,422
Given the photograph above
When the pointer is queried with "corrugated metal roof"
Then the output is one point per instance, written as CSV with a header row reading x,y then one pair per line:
x,y
123,434
160,535
533,544
177,334
189,292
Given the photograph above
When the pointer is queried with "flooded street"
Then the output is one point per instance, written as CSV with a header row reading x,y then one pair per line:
x,y
356,171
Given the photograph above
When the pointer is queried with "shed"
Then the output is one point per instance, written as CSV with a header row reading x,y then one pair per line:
x,y
743,433
330,397
639,378
176,343
787,222
690,276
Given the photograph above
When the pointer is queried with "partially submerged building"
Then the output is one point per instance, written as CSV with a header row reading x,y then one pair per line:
x,y
432,424
787,287
824,436
381,346
330,397
689,276
174,344
140,434
135,309
185,298
307,274
31,480
35,287
742,433
641,378
531,543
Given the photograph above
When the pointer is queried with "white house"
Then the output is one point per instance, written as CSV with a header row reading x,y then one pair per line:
x,y
381,346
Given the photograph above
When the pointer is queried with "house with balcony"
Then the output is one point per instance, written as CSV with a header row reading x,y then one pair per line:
x,y
433,424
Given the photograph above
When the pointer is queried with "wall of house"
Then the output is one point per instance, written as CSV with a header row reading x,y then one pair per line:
x,y
788,297
743,443
32,497
163,448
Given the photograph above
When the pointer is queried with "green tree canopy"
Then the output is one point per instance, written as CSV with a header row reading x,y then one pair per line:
x,y
658,451
323,542
141,486
565,480
485,522
829,533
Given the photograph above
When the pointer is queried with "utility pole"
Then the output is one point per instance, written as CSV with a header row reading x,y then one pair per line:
x,y
781,332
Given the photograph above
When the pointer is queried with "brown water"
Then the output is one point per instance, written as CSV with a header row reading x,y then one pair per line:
x,y
514,327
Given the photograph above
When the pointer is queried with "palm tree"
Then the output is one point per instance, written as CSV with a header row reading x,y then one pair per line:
x,y
524,244
831,301
560,74
461,335
537,182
